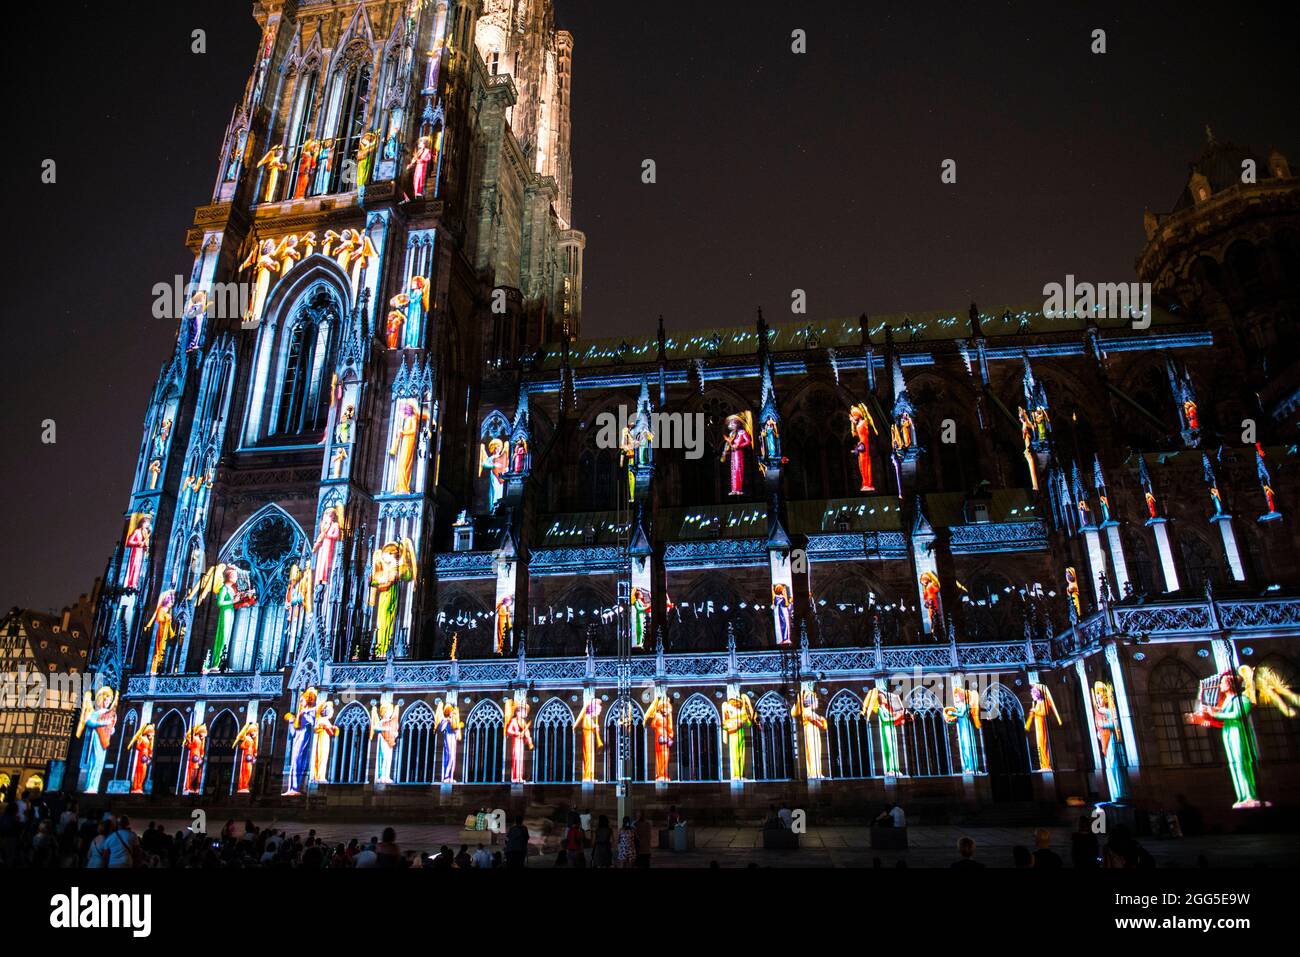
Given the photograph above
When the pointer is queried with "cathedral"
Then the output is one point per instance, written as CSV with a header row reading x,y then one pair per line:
x,y
400,539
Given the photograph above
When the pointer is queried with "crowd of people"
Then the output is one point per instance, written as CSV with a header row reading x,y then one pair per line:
x,y
54,830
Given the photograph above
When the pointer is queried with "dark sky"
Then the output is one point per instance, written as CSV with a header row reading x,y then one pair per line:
x,y
775,171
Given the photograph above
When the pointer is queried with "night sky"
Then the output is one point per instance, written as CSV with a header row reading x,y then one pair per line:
x,y
776,171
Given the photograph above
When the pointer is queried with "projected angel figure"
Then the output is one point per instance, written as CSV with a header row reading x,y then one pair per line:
x,y
164,629
781,612
302,737
1041,706
964,712
274,163
504,623
196,750
99,715
1027,435
930,598
141,749
1072,592
406,442
419,165
307,168
588,721
385,721
494,459
659,719
737,717
326,541
325,731
450,727
738,437
892,716
196,310
245,756
1227,707
862,425
806,711
263,261
392,565
222,581
1109,739
518,732
138,538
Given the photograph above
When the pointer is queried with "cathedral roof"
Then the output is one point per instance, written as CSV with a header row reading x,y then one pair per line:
x,y
801,336
1221,164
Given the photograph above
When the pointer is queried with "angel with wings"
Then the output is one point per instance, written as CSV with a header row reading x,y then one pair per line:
x,y
392,565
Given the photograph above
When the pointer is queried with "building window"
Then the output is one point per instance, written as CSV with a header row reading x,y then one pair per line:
x,y
1171,693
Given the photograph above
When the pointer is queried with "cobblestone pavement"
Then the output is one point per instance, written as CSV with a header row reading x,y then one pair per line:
x,y
928,846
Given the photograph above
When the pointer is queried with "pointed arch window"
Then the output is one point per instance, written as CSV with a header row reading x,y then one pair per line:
x,y
310,348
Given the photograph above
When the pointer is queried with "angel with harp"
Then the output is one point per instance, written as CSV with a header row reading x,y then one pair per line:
x,y
100,715
392,565
223,582
1225,703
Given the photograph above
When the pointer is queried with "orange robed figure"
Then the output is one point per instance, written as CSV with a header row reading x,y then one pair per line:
x,y
196,746
660,720
246,756
589,720
504,623
863,425
142,745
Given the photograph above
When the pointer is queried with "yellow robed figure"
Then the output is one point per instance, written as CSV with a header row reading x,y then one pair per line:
x,y
805,709
1042,706
406,441
737,716
589,721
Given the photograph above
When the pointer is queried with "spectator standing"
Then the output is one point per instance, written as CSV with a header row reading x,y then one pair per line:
x,y
517,843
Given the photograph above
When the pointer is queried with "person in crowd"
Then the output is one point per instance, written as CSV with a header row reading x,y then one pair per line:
x,y
517,843
966,855
1044,856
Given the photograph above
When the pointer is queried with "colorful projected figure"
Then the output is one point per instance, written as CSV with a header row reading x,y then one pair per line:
x,y
385,722
813,724
302,726
325,731
419,165
417,307
393,565
324,164
494,459
589,721
245,756
366,156
659,719
275,165
138,537
627,451
930,599
862,425
1225,703
737,716
892,716
738,437
771,440
396,322
964,712
195,312
504,623
326,541
263,261
450,727
1027,435
406,441
519,734
1041,706
164,629
781,612
1113,757
1266,485
196,749
640,617
141,748
306,168
902,434
100,715
1072,592
297,600
224,584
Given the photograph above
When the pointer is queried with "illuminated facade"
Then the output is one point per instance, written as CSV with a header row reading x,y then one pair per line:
x,y
380,499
